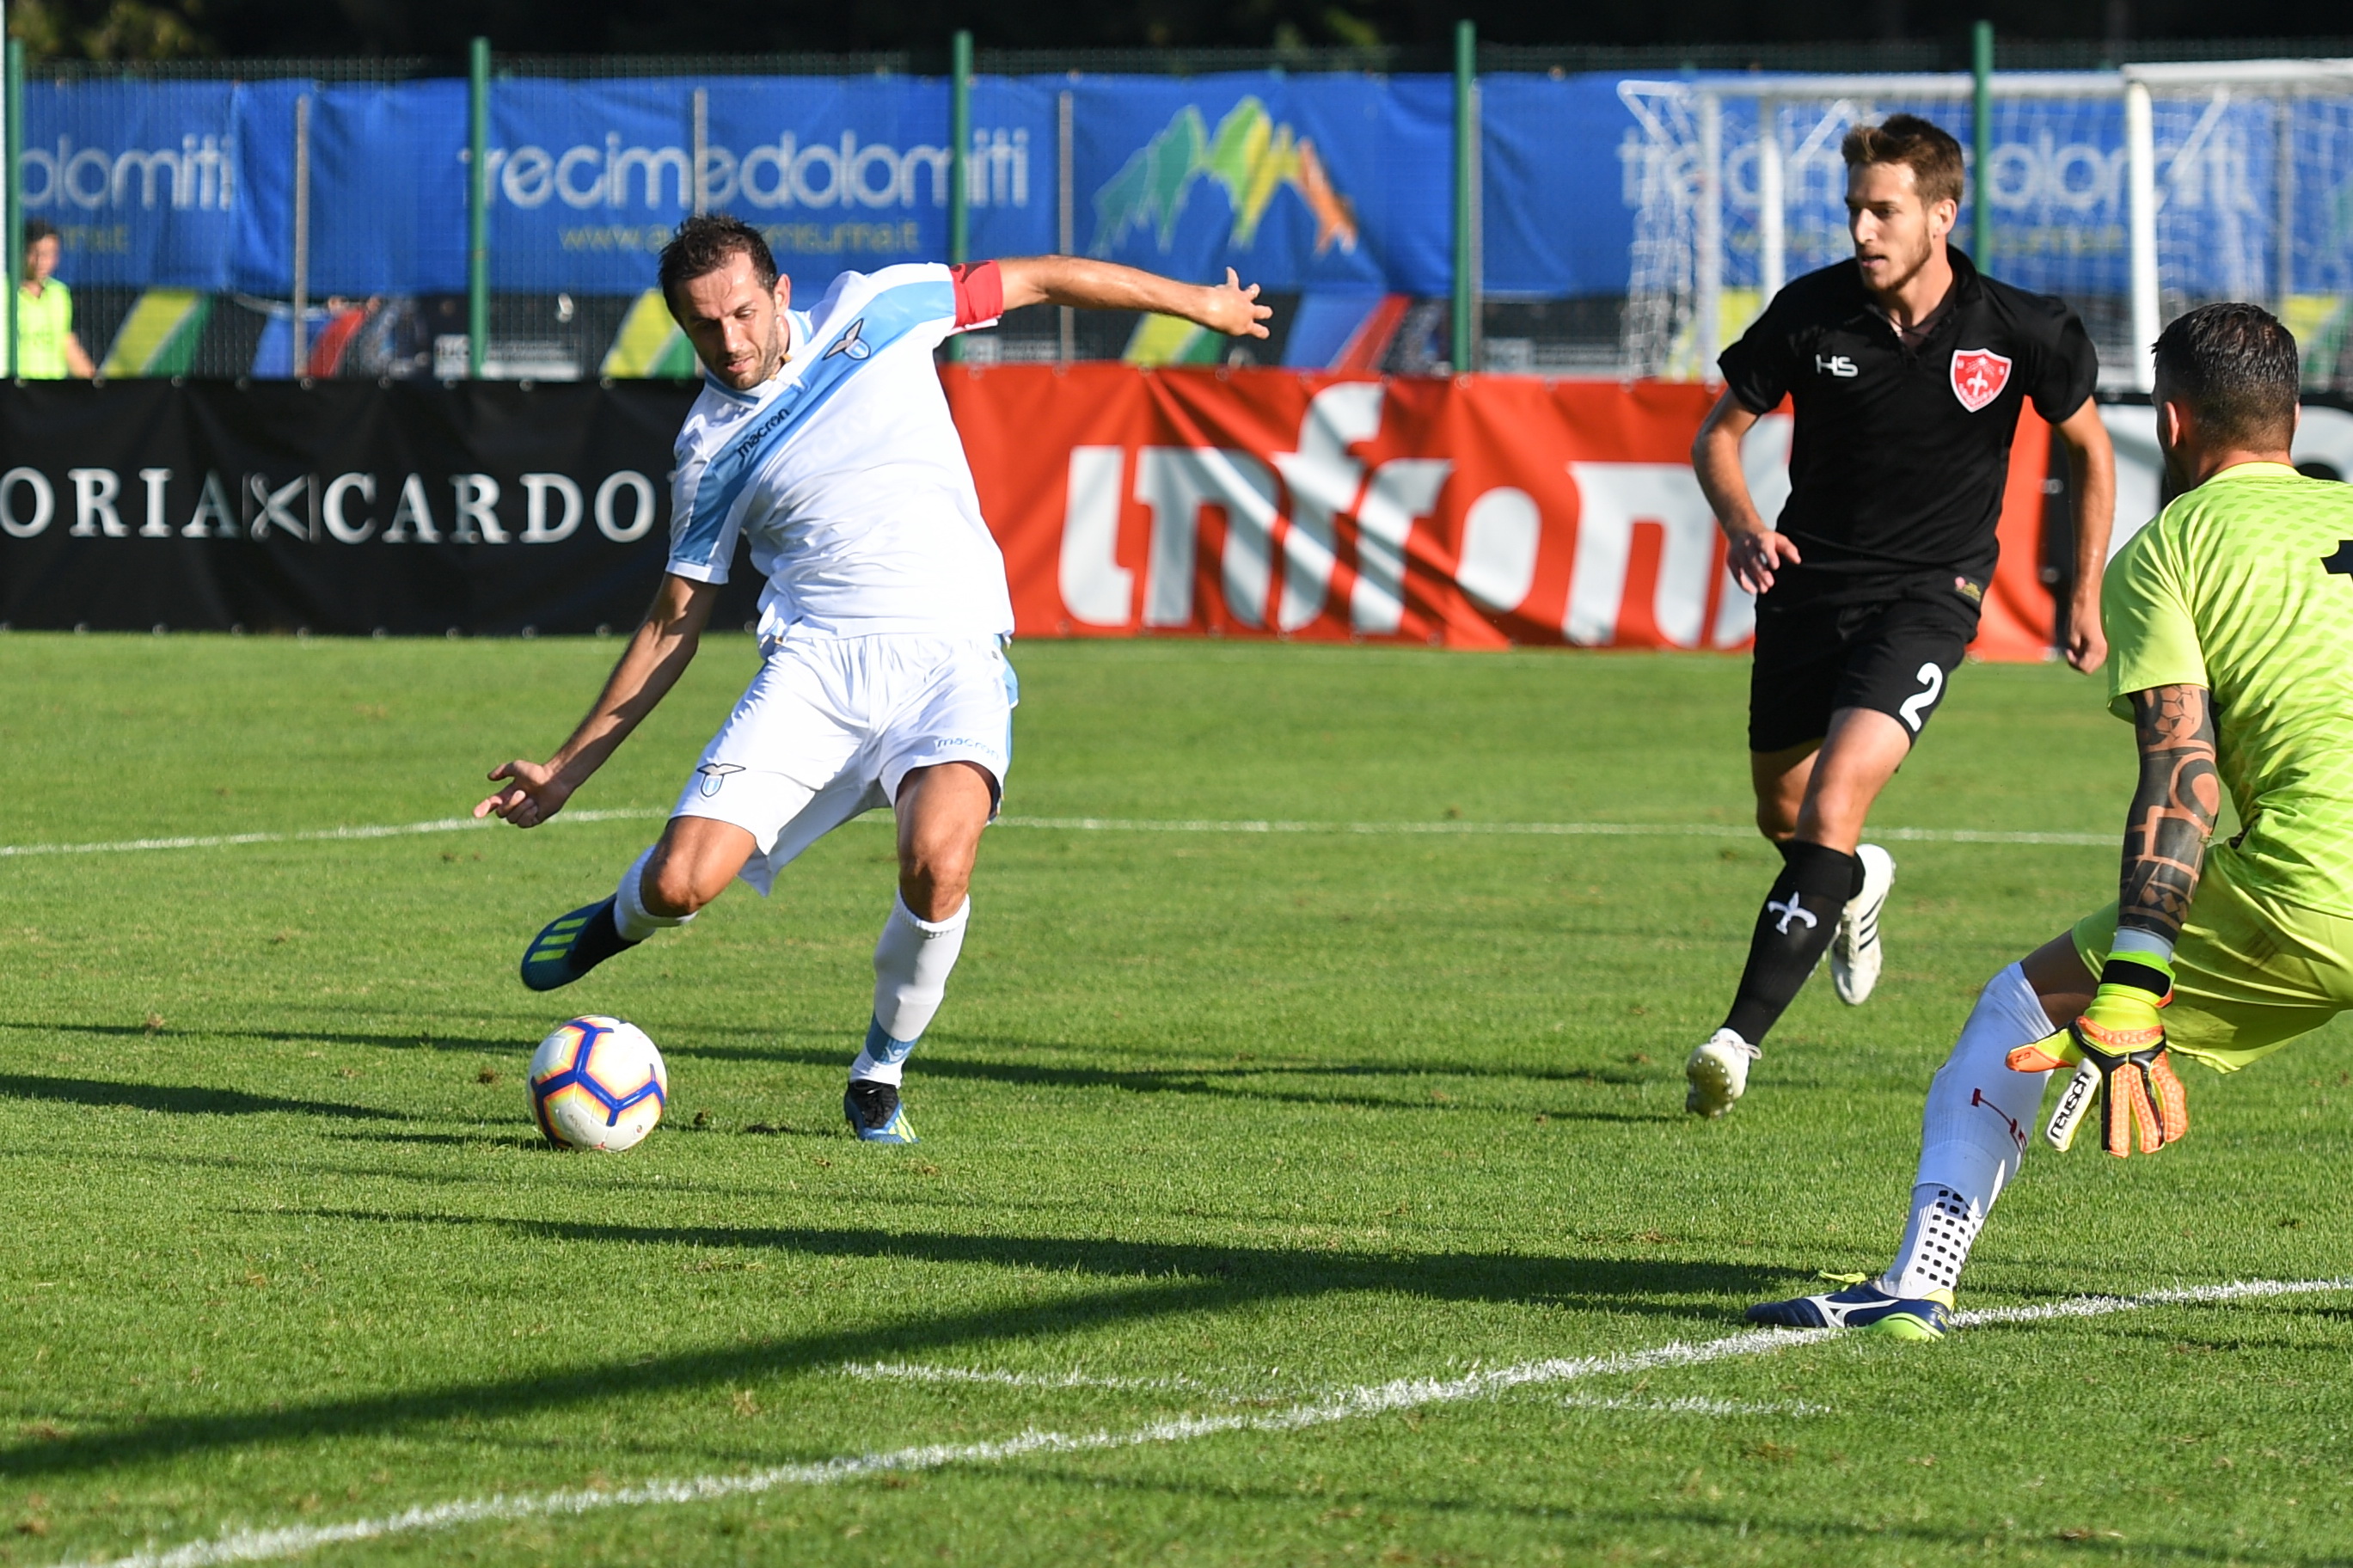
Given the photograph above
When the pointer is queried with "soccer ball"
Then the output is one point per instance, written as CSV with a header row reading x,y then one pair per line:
x,y
598,1083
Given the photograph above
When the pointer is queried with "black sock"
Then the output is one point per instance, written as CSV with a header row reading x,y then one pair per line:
x,y
600,939
1793,930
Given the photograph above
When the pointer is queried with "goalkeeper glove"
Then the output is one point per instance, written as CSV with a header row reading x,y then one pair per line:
x,y
2118,1047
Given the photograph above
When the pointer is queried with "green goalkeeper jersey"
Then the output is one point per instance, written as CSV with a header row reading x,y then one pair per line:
x,y
2244,586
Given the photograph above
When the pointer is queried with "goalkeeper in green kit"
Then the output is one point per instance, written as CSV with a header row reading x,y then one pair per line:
x,y
2230,624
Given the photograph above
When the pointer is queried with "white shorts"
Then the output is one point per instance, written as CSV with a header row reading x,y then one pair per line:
x,y
831,726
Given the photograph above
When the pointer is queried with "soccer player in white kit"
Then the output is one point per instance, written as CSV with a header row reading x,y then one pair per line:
x,y
822,439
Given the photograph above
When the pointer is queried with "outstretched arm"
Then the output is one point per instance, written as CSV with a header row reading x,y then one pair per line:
x,y
656,656
2173,810
2092,459
1227,307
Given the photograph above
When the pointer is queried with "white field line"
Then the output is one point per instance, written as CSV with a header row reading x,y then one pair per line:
x,y
909,1372
2187,1295
1693,1405
1534,829
1343,1404
309,836
1106,825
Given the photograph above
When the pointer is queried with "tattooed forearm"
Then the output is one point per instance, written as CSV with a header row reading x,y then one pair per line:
x,y
2173,809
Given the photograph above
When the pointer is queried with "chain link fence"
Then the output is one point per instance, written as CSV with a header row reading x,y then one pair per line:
x,y
268,218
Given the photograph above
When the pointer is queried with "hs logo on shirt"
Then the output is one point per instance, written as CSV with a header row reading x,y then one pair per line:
x,y
1835,364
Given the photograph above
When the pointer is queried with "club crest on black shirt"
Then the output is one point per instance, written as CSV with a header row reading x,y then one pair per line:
x,y
1900,454
1978,376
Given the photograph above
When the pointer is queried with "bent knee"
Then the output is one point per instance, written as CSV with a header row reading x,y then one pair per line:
x,y
675,891
935,884
940,877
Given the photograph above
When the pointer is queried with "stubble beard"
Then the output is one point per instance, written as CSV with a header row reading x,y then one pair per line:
x,y
1902,281
772,358
779,349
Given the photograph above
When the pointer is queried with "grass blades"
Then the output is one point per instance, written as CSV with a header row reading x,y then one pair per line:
x,y
1217,1127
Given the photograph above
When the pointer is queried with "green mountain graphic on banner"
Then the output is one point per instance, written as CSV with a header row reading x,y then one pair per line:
x,y
1250,157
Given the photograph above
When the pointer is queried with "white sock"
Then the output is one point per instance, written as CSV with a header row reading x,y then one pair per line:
x,y
1973,1135
1936,1242
631,917
913,959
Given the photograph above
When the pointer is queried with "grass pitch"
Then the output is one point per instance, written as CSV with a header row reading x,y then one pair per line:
x,y
1219,1125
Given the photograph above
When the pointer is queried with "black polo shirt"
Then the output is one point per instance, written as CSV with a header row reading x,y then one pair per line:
x,y
1901,454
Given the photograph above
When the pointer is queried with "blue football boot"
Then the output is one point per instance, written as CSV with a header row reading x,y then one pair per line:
x,y
875,1113
571,946
1865,1307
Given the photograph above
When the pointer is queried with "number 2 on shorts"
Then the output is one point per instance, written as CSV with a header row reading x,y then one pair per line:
x,y
1915,710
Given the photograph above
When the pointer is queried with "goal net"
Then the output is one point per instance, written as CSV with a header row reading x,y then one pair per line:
x,y
2248,167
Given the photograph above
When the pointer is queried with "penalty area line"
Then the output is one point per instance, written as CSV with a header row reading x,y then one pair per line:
x,y
1343,1404
1100,824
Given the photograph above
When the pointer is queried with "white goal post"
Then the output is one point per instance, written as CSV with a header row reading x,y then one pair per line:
x,y
2136,194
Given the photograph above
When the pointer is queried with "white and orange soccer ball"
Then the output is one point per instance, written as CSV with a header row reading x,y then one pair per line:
x,y
598,1083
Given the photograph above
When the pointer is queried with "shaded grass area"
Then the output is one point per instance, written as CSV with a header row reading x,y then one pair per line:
x,y
1253,1117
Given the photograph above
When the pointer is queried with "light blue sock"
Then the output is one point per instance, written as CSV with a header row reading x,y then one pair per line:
x,y
884,1061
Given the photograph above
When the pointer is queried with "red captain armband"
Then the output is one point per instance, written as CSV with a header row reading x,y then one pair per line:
x,y
979,293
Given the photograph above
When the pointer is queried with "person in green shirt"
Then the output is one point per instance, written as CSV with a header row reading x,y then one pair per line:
x,y
2228,621
46,349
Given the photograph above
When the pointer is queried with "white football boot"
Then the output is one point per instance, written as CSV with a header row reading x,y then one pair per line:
x,y
1856,951
1718,1072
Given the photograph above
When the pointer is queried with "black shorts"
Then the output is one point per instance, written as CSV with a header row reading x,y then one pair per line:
x,y
1892,654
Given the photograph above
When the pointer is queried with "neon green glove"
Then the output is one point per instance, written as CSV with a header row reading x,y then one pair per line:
x,y
2118,1045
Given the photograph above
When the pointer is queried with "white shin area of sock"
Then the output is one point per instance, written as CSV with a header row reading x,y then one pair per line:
x,y
913,959
630,916
1973,1135
1936,1242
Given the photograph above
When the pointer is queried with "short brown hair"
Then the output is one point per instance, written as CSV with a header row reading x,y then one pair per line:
x,y
2236,368
704,244
1921,146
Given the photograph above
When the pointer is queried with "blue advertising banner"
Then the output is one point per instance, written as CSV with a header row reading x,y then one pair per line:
x,y
588,179
1300,184
1558,185
1570,162
387,189
140,179
1333,187
2056,181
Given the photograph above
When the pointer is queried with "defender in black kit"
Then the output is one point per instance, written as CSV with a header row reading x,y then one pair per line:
x,y
1906,369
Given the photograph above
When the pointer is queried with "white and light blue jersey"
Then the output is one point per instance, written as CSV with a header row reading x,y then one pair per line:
x,y
844,472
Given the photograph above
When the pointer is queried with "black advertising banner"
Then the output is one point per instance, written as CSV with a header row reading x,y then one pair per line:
x,y
470,509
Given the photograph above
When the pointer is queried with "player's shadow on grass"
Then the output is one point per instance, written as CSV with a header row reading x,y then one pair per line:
x,y
1746,1533
502,1137
1144,1281
420,1039
1245,1081
1247,1273
177,1099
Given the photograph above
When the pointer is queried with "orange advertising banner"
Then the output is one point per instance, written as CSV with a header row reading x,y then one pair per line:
x,y
1480,511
